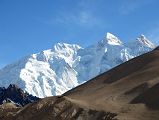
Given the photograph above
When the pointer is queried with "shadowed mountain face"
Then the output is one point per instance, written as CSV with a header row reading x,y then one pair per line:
x,y
149,97
15,95
127,92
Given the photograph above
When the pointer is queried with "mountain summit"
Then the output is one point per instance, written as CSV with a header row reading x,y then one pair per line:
x,y
126,92
145,42
112,40
64,66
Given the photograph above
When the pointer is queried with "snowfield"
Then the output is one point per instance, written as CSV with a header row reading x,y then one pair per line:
x,y
65,66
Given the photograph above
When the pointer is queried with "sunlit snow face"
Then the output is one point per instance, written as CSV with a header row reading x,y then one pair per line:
x,y
57,70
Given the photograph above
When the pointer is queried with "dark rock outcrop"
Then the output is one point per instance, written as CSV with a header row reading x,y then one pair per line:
x,y
15,95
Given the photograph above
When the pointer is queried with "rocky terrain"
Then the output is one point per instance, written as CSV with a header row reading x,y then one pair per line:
x,y
13,94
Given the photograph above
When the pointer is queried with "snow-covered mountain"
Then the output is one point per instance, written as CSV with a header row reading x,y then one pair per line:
x,y
54,71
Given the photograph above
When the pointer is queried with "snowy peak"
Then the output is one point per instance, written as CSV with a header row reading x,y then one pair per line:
x,y
65,50
144,41
65,47
64,66
112,40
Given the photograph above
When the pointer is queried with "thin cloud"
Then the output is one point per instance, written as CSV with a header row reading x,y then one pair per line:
x,y
83,15
2,65
82,18
154,35
127,8
130,6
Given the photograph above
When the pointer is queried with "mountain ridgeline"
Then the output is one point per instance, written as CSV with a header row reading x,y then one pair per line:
x,y
127,92
65,66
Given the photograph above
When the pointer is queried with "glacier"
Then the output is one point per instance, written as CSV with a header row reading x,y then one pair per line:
x,y
65,66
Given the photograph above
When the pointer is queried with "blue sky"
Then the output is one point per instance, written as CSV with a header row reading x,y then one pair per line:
x,y
29,26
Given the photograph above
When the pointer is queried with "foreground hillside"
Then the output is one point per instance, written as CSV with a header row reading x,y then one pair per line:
x,y
127,92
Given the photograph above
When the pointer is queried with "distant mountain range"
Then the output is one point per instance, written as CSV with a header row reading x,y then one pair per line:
x,y
127,92
65,66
